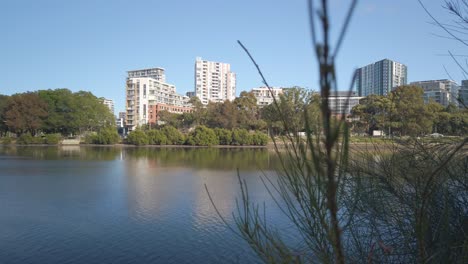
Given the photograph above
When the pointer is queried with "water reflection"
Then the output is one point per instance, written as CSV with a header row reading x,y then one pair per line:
x,y
91,204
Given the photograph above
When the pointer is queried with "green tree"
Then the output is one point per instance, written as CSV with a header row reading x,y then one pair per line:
x,y
202,136
137,137
174,136
224,136
60,107
411,112
156,137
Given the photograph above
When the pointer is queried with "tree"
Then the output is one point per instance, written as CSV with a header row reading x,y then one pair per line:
x,y
25,113
411,112
60,107
291,105
3,103
374,112
202,136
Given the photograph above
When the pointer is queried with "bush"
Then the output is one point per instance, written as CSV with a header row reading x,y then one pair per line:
x,y
6,140
52,139
174,137
107,136
27,139
138,138
224,136
259,139
241,137
202,136
156,137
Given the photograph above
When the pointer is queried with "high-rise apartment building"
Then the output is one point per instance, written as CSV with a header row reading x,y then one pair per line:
x,y
214,81
265,96
109,103
380,77
146,92
463,94
443,92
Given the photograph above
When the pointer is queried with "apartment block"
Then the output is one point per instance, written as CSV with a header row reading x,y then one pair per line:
x,y
341,102
443,91
214,81
265,96
109,103
380,77
145,89
463,94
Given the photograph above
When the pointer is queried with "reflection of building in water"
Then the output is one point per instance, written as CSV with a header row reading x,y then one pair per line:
x,y
154,191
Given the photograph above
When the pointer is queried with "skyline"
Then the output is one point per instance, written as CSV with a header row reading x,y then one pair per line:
x,y
49,45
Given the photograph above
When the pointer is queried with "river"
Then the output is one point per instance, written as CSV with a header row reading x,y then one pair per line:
x,y
75,204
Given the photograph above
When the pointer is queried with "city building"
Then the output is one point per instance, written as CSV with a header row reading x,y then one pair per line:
x,y
443,91
341,102
214,81
380,77
191,94
121,119
463,94
109,103
145,90
265,96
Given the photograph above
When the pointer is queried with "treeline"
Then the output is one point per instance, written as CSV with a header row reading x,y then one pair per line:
x,y
200,136
244,113
404,113
57,111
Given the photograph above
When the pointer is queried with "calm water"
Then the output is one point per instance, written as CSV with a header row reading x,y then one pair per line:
x,y
126,205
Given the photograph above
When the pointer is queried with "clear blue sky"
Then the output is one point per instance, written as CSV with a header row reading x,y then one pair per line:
x,y
90,44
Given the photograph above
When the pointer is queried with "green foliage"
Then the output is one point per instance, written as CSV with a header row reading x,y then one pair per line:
x,y
52,139
156,137
224,136
241,137
259,139
106,136
138,138
28,139
202,136
6,140
174,136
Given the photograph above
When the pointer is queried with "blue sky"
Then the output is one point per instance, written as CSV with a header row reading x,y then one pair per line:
x,y
90,44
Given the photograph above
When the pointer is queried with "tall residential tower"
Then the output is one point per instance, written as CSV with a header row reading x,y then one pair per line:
x,y
214,81
380,77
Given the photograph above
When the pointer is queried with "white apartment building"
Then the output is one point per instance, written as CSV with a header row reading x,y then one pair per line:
x,y
144,89
214,81
109,103
265,96
341,102
443,91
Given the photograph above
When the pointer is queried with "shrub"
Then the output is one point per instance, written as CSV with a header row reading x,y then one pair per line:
x,y
156,137
259,139
27,139
224,136
174,137
6,140
202,136
107,136
138,138
52,139
241,137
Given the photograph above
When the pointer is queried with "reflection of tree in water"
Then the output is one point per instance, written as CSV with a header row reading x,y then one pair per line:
x,y
63,152
216,158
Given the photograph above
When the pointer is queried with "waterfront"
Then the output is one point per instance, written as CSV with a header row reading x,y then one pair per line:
x,y
76,204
